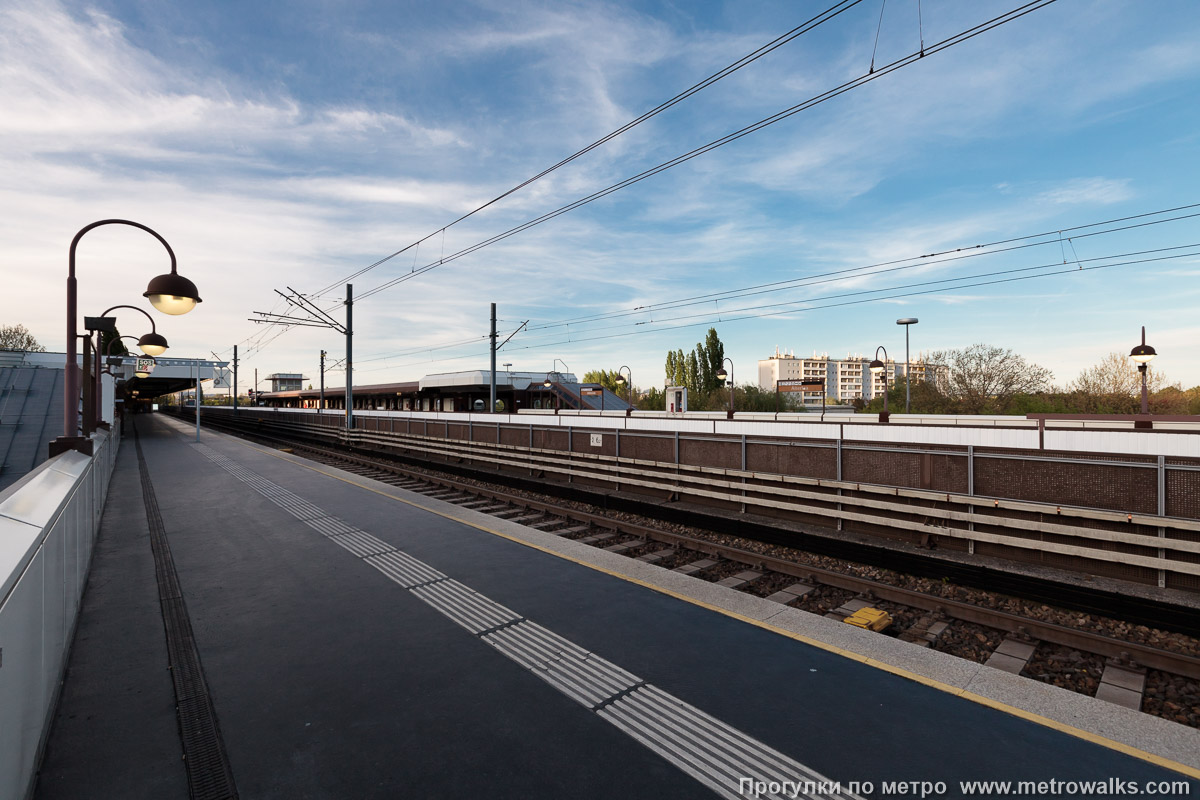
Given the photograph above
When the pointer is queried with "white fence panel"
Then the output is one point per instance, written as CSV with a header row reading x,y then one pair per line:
x,y
48,522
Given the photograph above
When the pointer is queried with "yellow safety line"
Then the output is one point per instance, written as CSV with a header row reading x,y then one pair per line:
x,y
957,691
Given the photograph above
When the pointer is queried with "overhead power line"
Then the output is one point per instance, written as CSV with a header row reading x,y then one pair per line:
x,y
883,267
749,58
937,286
812,102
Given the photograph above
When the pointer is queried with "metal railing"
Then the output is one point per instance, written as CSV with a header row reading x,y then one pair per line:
x,y
48,524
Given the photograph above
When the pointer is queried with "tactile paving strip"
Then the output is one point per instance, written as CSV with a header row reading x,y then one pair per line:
x,y
715,754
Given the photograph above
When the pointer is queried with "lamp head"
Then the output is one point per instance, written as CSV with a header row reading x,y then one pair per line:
x,y
172,294
876,366
620,380
722,374
907,321
548,383
1142,354
153,344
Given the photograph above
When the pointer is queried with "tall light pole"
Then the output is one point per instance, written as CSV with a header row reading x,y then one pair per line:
x,y
722,375
170,293
880,368
907,366
1143,354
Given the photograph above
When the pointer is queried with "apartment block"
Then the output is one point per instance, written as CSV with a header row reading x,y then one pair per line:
x,y
846,379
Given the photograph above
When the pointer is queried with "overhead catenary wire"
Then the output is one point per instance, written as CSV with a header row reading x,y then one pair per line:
x,y
821,18
879,268
811,102
996,277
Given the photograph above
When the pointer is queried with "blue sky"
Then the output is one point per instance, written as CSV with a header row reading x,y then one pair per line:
x,y
292,144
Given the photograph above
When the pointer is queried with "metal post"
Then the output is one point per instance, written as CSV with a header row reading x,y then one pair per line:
x,y
907,374
235,389
321,404
89,389
198,401
971,493
1162,512
839,475
98,391
492,381
349,357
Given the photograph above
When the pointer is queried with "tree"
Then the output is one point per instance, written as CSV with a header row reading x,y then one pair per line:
x,y
113,341
926,399
653,400
691,377
18,337
1113,386
607,379
711,353
984,379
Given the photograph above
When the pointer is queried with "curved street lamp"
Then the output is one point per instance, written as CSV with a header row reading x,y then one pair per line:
x,y
1143,354
170,293
722,375
880,368
629,385
152,344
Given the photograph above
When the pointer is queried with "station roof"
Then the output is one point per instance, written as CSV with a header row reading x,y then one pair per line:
x,y
31,410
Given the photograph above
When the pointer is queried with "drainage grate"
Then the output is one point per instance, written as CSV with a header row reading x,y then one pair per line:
x,y
208,771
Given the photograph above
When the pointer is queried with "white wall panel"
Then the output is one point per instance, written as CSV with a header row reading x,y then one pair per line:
x,y
22,680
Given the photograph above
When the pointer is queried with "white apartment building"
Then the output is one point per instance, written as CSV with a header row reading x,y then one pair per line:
x,y
846,379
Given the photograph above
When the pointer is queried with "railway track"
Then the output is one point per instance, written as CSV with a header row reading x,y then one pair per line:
x,y
1114,669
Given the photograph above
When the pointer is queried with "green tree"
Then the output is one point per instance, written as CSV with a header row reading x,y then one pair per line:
x,y
653,400
926,399
113,340
606,378
18,337
712,357
691,378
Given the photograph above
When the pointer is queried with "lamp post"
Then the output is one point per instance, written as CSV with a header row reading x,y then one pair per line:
x,y
152,344
170,293
549,383
907,321
722,375
629,385
880,368
1143,354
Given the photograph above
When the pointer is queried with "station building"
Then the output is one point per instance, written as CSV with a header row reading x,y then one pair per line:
x,y
460,392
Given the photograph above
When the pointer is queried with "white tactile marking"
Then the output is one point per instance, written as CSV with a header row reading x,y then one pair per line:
x,y
713,753
404,569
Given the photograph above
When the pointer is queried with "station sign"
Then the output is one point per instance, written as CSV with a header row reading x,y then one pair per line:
x,y
145,365
814,385
591,391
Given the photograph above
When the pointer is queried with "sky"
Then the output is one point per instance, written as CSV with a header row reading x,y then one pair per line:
x,y
283,146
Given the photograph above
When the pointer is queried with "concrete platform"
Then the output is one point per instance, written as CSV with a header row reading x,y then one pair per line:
x,y
361,640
